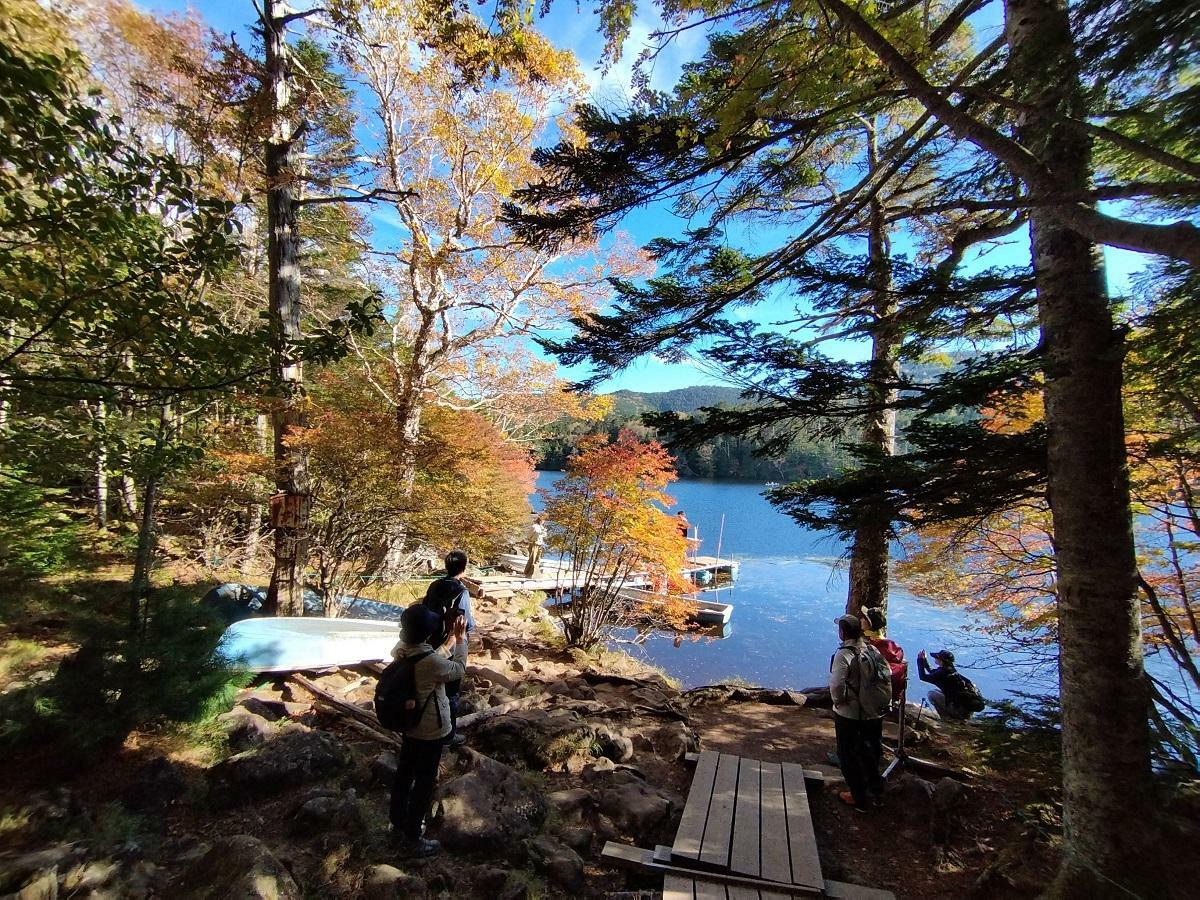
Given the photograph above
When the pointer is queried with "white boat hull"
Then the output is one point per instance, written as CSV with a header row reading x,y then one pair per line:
x,y
293,644
705,612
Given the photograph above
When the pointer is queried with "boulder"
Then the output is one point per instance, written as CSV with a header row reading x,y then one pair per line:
x,y
614,744
386,882
490,806
383,768
557,862
578,838
245,729
274,708
535,738
17,870
598,768
635,807
291,759
570,804
674,740
241,867
326,810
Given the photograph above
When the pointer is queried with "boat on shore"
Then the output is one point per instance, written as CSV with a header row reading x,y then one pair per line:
x,y
299,643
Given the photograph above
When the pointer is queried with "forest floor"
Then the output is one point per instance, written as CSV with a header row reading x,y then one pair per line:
x,y
284,797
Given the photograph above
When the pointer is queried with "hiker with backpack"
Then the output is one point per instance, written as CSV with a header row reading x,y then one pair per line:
x,y
411,698
954,696
860,683
449,598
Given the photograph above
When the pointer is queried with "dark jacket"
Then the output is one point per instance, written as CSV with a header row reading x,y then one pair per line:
x,y
948,679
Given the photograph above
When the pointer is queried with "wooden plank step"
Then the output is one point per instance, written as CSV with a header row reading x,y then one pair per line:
x,y
744,856
718,830
802,838
812,777
776,858
636,857
690,834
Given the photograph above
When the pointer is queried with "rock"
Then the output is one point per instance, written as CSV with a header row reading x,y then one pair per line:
x,y
492,675
578,838
674,740
570,804
519,664
384,882
558,863
558,689
614,745
488,807
291,759
948,795
383,768
245,729
581,690
636,808
324,810
239,867
598,768
535,738
275,709
818,696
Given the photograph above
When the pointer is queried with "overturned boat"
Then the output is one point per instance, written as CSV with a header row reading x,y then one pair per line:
x,y
295,643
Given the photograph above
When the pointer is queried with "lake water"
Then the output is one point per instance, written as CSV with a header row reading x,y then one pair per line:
x,y
791,587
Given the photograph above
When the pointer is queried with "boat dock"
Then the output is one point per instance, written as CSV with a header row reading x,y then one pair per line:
x,y
556,576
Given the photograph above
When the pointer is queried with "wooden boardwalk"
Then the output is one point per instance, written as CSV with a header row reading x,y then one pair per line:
x,y
746,834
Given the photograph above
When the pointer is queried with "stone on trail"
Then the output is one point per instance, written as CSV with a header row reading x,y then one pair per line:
x,y
488,807
386,882
674,741
383,768
291,759
557,862
614,744
570,804
535,738
245,729
637,808
239,866
325,809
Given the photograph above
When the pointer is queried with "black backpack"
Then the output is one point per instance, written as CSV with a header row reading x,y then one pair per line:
x,y
396,701
962,691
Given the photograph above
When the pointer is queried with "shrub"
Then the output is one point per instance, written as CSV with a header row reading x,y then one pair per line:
x,y
39,534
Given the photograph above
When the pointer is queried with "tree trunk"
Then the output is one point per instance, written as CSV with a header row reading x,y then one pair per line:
x,y
255,511
869,550
143,563
101,473
127,492
286,592
1108,843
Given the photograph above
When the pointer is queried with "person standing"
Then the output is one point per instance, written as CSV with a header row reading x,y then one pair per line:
x,y
860,686
535,538
450,599
682,524
954,696
421,744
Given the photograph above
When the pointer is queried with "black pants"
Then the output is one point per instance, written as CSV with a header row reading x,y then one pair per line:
x,y
453,688
412,791
860,748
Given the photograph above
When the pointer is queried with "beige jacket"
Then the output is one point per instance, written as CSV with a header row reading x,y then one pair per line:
x,y
431,675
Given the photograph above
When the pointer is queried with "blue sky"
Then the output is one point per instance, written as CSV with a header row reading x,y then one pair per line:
x,y
575,27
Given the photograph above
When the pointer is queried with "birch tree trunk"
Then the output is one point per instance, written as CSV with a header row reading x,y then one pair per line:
x,y
869,554
101,473
1108,838
286,592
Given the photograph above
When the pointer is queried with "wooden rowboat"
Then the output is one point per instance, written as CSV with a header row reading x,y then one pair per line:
x,y
706,612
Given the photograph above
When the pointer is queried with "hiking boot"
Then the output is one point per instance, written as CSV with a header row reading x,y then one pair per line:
x,y
419,848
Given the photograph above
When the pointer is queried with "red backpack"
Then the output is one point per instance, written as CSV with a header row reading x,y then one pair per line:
x,y
892,652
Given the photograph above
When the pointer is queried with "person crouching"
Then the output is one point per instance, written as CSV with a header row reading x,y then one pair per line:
x,y
421,745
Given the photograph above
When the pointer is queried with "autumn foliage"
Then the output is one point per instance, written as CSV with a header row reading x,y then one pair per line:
x,y
607,518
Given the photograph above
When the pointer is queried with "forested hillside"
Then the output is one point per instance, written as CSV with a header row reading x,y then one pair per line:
x,y
724,456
